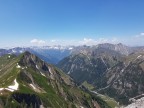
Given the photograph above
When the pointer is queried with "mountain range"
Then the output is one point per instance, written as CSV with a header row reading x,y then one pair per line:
x,y
49,54
54,54
114,70
29,82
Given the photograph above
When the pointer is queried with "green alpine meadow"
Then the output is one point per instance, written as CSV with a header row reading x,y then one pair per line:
x,y
29,82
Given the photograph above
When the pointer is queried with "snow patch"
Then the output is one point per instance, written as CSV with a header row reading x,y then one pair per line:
x,y
33,86
139,56
11,88
21,51
50,70
1,89
37,67
56,47
18,66
15,86
70,48
14,51
42,74
9,56
39,70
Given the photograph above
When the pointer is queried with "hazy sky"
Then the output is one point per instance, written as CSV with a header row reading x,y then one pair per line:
x,y
71,22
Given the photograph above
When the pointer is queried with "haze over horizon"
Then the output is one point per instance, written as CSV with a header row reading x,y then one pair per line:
x,y
75,22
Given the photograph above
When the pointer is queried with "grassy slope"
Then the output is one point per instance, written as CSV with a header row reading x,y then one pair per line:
x,y
8,70
111,102
51,95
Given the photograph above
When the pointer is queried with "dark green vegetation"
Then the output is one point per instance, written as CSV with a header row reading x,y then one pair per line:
x,y
40,85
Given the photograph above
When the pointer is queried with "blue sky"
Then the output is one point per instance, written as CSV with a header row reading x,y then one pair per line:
x,y
71,22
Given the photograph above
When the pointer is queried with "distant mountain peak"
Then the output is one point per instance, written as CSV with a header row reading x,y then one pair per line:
x,y
120,44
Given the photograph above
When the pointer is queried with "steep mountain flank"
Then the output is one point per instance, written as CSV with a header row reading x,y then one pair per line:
x,y
27,81
89,65
108,72
126,79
